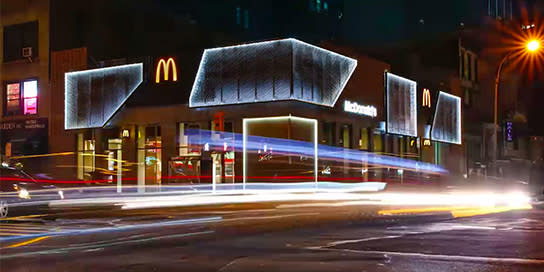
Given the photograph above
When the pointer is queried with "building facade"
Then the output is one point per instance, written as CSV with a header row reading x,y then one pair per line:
x,y
24,75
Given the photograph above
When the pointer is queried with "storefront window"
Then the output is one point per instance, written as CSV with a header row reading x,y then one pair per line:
x,y
346,136
363,140
85,157
185,168
377,142
114,160
149,156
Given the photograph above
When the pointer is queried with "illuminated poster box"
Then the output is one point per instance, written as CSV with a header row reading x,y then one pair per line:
x,y
447,119
401,100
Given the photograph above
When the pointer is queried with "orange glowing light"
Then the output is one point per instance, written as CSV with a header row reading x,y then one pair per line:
x,y
533,45
521,46
164,66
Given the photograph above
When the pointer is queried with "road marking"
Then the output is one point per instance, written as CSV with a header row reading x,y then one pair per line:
x,y
443,257
336,243
28,242
170,223
268,217
101,245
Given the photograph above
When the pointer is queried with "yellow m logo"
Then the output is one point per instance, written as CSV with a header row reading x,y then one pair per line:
x,y
426,98
164,66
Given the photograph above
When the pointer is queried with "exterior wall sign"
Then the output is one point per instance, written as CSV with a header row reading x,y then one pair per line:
x,y
426,142
164,67
353,107
40,123
509,132
426,98
125,133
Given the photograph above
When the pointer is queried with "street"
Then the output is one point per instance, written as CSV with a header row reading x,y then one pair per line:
x,y
273,237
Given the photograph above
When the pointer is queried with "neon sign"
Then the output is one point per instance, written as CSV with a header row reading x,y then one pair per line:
x,y
509,132
164,66
426,98
353,107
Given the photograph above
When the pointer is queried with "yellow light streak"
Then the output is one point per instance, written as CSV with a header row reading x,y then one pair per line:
x,y
31,241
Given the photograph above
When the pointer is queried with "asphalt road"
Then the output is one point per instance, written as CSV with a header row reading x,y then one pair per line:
x,y
271,237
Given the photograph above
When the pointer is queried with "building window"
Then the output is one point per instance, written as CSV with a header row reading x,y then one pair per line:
x,y
325,6
188,139
149,145
30,97
318,6
85,156
346,136
238,16
21,97
17,37
13,98
363,140
377,142
246,19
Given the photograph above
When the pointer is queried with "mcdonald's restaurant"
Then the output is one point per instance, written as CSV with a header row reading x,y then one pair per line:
x,y
281,110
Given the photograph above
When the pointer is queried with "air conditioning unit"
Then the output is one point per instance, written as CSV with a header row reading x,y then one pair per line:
x,y
27,52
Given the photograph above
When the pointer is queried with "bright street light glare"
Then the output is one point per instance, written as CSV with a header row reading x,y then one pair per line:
x,y
533,45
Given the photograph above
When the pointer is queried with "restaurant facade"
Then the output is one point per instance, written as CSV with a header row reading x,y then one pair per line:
x,y
281,110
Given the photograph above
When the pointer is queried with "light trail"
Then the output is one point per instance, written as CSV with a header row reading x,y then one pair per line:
x,y
180,222
31,241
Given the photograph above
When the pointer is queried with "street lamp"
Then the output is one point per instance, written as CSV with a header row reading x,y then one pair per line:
x,y
531,46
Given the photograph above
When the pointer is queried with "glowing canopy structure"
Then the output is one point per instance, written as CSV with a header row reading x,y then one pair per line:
x,y
447,119
401,105
269,71
93,96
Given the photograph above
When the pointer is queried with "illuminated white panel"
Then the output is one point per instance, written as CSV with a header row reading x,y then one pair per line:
x,y
277,70
92,97
245,141
30,89
447,119
401,105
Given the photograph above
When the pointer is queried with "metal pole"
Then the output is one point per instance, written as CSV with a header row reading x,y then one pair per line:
x,y
495,106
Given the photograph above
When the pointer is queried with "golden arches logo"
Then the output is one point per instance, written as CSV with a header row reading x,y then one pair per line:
x,y
426,98
164,66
